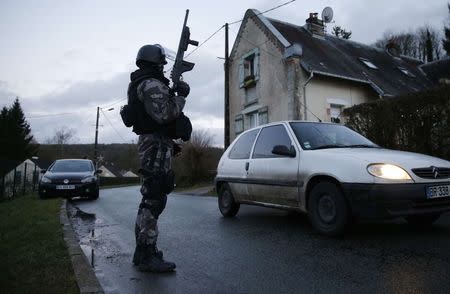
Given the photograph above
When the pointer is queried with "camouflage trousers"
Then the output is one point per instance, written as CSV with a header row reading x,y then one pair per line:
x,y
155,154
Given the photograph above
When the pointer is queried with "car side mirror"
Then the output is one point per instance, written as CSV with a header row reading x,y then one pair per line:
x,y
99,171
43,171
283,150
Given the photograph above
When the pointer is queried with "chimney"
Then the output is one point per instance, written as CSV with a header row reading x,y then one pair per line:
x,y
315,25
393,48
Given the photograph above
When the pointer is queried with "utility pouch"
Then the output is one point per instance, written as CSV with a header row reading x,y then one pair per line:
x,y
183,128
169,182
129,115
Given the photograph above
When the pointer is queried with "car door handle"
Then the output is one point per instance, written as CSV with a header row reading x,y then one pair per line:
x,y
247,165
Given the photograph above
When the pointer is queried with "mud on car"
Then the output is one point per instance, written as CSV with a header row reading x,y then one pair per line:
x,y
332,173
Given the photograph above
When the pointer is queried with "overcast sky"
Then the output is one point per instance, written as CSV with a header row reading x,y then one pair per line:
x,y
72,56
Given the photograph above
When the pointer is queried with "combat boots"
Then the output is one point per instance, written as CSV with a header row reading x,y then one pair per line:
x,y
139,251
151,261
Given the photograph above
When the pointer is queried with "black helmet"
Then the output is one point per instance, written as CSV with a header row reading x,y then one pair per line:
x,y
151,53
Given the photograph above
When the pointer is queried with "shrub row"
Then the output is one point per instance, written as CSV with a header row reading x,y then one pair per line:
x,y
417,122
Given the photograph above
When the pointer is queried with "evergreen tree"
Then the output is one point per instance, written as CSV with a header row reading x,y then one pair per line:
x,y
446,40
429,47
16,139
341,33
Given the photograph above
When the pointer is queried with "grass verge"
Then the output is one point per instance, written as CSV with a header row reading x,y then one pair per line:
x,y
32,249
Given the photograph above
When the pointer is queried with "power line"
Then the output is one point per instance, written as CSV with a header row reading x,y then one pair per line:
x,y
268,10
50,115
207,39
113,103
257,45
107,119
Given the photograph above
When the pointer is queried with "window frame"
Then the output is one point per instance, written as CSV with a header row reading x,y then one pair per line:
x,y
253,57
368,63
251,148
273,155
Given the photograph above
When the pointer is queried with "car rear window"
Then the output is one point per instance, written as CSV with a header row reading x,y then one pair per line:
x,y
268,138
71,166
241,149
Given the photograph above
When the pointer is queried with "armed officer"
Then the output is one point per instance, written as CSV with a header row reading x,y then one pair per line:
x,y
153,110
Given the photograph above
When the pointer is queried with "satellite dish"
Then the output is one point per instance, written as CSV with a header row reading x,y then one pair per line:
x,y
327,14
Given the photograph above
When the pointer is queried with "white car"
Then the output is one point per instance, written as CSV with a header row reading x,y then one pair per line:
x,y
331,173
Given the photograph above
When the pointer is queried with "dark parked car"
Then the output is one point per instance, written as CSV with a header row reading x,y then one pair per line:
x,y
69,178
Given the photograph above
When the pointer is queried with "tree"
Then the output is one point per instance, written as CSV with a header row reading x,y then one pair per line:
x,y
15,133
446,40
62,137
339,32
423,43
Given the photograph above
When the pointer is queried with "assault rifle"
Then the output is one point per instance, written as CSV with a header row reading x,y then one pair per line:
x,y
181,65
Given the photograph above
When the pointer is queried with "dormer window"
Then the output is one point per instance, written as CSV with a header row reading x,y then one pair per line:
x,y
368,63
406,72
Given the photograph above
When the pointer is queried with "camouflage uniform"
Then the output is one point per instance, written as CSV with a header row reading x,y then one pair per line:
x,y
155,154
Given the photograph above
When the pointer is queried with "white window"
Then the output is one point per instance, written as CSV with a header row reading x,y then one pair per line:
x,y
335,113
253,119
406,72
238,125
249,69
368,63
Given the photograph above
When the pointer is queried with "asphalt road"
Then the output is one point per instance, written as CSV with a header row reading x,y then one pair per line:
x,y
259,251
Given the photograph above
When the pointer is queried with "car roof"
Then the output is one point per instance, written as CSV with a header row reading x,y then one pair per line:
x,y
73,159
287,122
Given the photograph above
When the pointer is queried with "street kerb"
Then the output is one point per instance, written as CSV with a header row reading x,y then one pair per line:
x,y
84,274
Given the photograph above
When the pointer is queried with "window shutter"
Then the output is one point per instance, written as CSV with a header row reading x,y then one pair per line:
x,y
241,73
256,64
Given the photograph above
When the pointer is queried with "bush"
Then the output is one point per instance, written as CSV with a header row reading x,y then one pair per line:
x,y
417,122
110,181
198,160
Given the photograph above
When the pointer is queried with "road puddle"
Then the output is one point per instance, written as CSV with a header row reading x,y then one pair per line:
x,y
84,224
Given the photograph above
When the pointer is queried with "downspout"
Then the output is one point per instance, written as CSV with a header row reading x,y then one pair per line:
x,y
311,75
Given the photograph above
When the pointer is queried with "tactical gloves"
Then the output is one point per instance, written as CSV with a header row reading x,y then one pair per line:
x,y
182,89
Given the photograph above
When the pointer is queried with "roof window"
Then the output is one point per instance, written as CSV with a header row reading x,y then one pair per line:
x,y
406,72
368,63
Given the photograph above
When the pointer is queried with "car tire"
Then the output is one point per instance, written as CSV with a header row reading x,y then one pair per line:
x,y
423,220
328,211
227,204
95,195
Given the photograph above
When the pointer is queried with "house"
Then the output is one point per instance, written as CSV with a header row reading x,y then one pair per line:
x,y
283,71
438,71
129,174
16,175
110,171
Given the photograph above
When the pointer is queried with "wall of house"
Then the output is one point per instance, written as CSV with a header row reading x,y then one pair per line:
x,y
24,173
322,92
271,89
106,173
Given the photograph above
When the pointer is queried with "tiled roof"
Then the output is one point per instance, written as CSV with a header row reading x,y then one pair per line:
x,y
437,70
341,58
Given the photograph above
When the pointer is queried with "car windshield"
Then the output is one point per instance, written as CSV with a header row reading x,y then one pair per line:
x,y
71,166
314,136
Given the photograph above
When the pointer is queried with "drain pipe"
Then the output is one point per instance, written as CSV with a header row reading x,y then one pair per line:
x,y
304,93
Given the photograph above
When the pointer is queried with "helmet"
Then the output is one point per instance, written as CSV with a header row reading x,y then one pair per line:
x,y
151,53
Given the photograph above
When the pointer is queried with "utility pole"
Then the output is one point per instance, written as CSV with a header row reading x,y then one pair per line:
x,y
96,137
227,93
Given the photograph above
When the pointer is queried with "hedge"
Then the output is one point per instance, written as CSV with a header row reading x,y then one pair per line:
x,y
417,122
111,181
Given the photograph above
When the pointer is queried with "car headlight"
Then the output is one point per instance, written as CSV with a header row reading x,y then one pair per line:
x,y
388,171
89,179
45,180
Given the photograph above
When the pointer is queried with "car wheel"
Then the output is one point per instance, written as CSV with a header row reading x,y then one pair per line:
x,y
422,220
227,205
95,195
327,209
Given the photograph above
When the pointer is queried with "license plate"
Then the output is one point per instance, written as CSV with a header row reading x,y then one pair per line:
x,y
65,187
438,191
